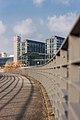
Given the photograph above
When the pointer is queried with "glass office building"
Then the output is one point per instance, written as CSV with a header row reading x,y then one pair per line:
x,y
52,45
29,52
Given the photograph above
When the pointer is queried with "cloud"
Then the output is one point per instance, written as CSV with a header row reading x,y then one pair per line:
x,y
6,44
61,25
2,28
38,36
25,27
65,2
41,22
38,2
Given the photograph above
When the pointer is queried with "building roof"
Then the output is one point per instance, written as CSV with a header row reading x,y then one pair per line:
x,y
58,37
35,41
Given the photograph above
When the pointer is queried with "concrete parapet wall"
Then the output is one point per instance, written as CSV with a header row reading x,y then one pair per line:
x,y
61,77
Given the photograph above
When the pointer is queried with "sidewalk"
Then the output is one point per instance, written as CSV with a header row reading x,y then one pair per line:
x,y
21,99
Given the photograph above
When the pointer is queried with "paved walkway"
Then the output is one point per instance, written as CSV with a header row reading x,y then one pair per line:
x,y
20,99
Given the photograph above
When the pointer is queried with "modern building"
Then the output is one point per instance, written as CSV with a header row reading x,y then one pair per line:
x,y
29,52
52,45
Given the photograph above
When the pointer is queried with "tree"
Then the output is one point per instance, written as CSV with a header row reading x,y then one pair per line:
x,y
12,65
18,64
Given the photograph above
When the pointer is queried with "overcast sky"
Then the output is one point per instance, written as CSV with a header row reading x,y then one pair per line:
x,y
35,19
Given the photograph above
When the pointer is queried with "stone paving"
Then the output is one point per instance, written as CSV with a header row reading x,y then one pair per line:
x,y
20,99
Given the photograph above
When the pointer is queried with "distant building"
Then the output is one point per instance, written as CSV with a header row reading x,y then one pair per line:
x,y
29,52
3,54
0,55
52,45
17,41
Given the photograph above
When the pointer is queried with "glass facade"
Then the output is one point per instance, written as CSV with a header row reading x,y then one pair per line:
x,y
52,45
4,60
31,52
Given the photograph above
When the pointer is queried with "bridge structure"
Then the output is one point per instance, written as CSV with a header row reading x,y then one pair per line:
x,y
60,77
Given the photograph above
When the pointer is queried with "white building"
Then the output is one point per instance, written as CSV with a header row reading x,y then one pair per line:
x,y
3,54
17,40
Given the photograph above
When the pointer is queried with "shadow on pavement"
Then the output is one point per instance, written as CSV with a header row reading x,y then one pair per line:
x,y
26,104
